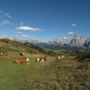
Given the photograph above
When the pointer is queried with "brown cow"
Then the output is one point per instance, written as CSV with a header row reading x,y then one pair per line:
x,y
4,54
41,59
21,61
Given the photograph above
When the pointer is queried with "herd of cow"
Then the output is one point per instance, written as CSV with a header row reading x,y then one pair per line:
x,y
26,60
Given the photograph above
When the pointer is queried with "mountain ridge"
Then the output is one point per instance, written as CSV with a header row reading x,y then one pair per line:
x,y
76,41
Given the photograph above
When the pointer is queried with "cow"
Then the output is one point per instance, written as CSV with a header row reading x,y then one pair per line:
x,y
60,57
1,54
4,54
22,61
41,59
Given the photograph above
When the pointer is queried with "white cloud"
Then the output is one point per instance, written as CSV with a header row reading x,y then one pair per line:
x,y
24,35
27,28
70,33
5,22
74,25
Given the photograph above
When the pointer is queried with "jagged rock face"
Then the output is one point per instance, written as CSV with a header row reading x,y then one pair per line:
x,y
77,41
59,41
87,43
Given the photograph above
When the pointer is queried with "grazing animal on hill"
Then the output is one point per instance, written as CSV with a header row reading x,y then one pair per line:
x,y
4,54
41,59
21,60
63,56
60,57
1,54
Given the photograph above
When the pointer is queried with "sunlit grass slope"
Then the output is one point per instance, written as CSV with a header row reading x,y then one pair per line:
x,y
67,74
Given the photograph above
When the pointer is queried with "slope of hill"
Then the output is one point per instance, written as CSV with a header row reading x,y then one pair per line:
x,y
8,45
65,74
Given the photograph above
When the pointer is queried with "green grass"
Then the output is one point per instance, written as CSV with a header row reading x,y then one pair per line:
x,y
7,45
67,74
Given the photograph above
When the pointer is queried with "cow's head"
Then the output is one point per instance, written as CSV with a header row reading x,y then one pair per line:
x,y
27,59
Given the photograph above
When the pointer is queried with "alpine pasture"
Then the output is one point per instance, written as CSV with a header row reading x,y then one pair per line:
x,y
53,74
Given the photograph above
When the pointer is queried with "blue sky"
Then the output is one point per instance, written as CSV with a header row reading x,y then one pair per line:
x,y
44,19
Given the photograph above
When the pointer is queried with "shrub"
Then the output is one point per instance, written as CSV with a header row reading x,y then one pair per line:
x,y
83,56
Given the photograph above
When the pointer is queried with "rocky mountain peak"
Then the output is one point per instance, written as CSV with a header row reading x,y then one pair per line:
x,y
77,40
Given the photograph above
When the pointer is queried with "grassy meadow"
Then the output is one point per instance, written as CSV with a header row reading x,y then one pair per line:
x,y
53,74
65,74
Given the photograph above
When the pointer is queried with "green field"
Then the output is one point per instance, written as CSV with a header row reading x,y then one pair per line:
x,y
53,74
67,74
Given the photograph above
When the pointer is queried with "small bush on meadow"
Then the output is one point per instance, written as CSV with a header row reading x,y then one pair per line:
x,y
83,55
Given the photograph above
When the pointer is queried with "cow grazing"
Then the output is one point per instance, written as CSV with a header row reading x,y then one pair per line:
x,y
41,59
21,61
4,54
60,57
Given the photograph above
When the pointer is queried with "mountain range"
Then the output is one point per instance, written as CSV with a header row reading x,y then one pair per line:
x,y
77,41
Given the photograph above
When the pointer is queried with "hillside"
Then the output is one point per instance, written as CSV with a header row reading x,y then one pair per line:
x,y
8,45
65,74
